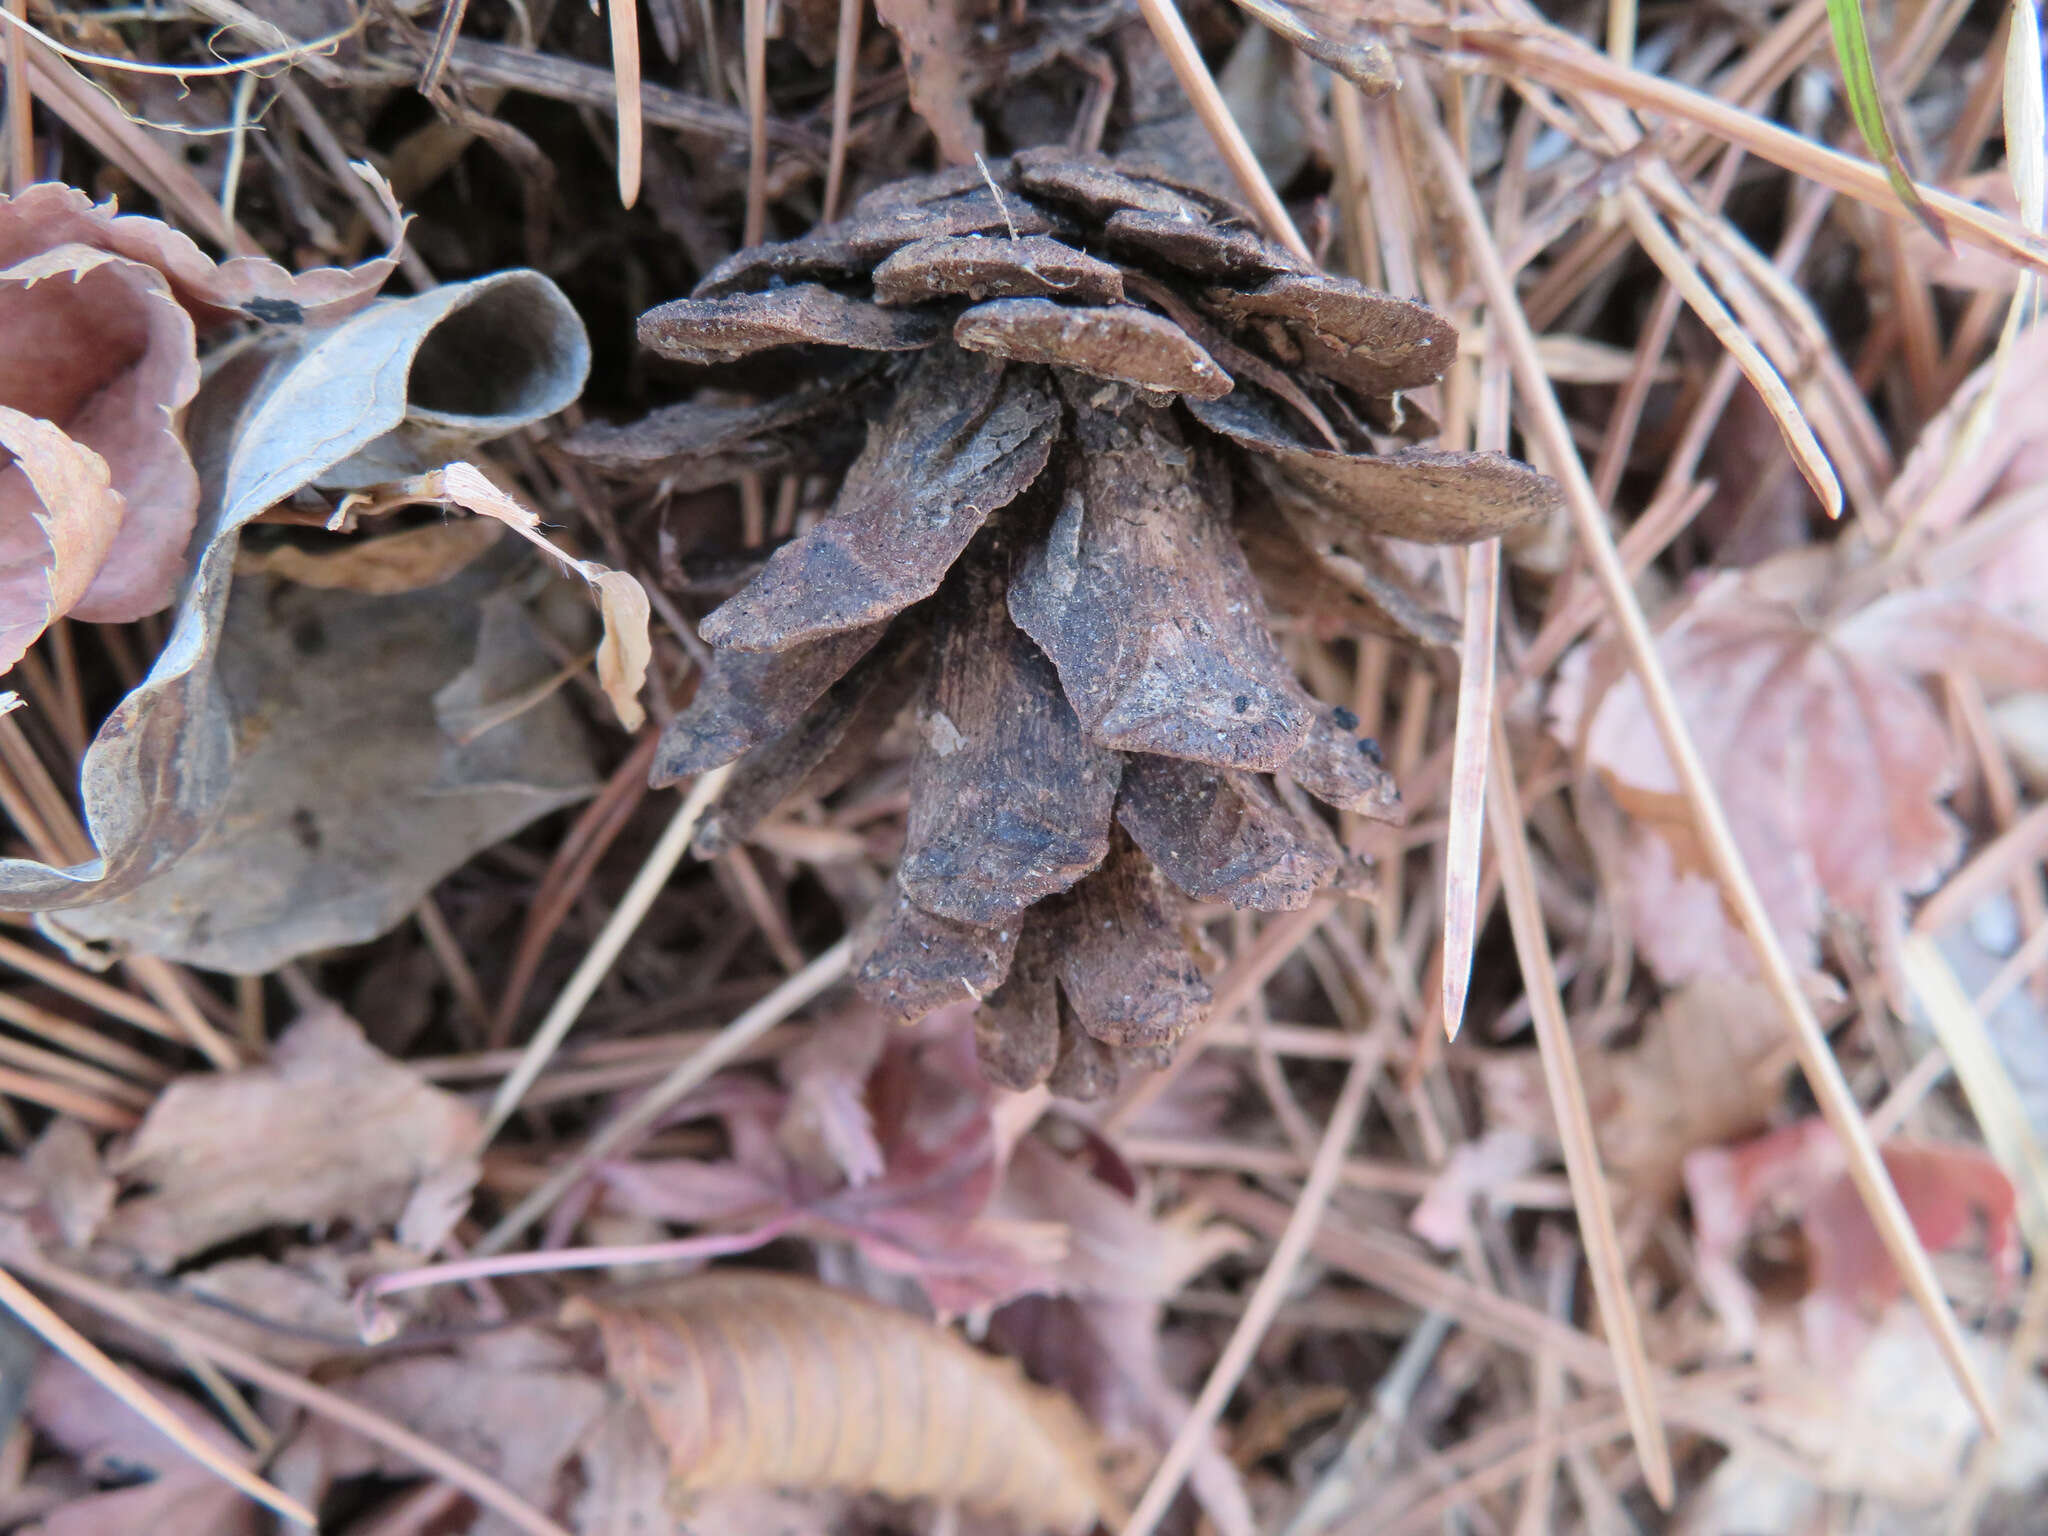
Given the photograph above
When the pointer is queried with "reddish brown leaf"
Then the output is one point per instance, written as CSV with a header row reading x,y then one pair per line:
x,y
1141,597
1373,342
1222,836
1123,964
921,962
964,436
762,1378
1428,496
1120,342
751,697
979,268
724,330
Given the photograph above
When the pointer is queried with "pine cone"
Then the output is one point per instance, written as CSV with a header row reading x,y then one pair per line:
x,y
1091,394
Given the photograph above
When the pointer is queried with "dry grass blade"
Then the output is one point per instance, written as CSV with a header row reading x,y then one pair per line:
x,y
1989,1087
484,1489
1552,435
1679,271
624,16
1271,1290
1859,80
660,863
1476,651
88,1357
1575,1124
725,1047
1172,32
754,26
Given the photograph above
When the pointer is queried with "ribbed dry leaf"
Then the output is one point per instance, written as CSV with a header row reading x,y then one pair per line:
x,y
1830,758
753,1378
328,1129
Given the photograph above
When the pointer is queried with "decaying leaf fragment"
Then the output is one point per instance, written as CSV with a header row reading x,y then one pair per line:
x,y
1143,601
1009,801
979,432
762,1378
328,1129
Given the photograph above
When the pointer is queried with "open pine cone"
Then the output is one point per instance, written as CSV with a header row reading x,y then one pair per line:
x,y
1091,394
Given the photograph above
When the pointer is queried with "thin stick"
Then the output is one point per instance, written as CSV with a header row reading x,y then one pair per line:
x,y
1575,1122
374,1426
90,1358
1266,1297
625,27
1172,32
730,1042
845,74
662,860
755,43
1552,433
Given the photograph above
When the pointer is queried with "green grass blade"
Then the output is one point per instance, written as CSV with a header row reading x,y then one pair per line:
x,y
1859,79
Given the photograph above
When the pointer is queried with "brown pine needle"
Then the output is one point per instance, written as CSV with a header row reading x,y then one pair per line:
x,y
1575,1123
1552,434
1467,817
21,146
90,990
1166,24
845,75
88,1357
625,25
1267,1295
754,22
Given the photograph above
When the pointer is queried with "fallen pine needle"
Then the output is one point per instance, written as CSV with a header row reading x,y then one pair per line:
x,y
625,28
90,1358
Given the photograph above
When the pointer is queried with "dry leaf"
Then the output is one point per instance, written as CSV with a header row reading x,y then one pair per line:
x,y
1831,761
372,756
769,1379
933,37
329,1129
152,1485
382,566
1800,1171
284,411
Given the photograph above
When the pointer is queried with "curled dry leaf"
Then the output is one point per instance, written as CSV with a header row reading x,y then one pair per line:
x,y
356,403
328,1129
1800,1170
101,314
769,1379
1831,760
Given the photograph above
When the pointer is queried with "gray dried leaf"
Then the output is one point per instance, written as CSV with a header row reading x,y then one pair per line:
x,y
921,962
1198,248
1123,963
1222,836
393,384
845,723
1143,601
702,442
353,791
1335,591
1017,1028
1430,497
1009,801
964,436
724,330
1118,342
980,267
1373,342
1342,768
749,697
